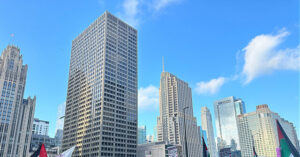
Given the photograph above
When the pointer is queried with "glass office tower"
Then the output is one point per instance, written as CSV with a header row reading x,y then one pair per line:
x,y
226,111
101,106
142,135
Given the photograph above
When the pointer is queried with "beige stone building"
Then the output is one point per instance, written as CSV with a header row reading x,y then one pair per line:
x,y
174,96
206,121
16,113
258,129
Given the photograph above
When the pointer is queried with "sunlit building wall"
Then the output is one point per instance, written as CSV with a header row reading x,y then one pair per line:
x,y
206,121
174,96
101,106
16,113
258,129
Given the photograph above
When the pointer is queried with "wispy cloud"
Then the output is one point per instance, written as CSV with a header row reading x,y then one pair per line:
x,y
211,87
148,98
133,11
261,56
160,4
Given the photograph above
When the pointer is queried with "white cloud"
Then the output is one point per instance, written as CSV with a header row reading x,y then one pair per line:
x,y
210,87
148,98
160,4
262,58
131,11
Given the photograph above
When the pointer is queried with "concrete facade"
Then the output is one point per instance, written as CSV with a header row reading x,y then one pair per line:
x,y
101,105
206,121
16,113
159,149
174,96
40,127
258,129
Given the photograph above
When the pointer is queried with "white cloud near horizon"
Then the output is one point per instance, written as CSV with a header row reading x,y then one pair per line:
x,y
148,98
211,87
261,56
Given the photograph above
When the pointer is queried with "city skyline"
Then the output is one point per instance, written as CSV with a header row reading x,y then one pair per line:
x,y
263,89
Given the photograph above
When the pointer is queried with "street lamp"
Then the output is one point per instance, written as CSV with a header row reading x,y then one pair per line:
x,y
186,150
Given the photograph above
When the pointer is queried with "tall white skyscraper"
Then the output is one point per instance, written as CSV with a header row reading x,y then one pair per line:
x,y
208,127
16,113
101,105
174,96
40,127
226,111
258,129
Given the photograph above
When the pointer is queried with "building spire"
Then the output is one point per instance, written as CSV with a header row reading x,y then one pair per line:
x,y
163,64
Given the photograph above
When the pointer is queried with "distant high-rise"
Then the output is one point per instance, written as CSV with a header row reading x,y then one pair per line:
x,y
208,127
101,105
60,116
142,135
226,111
16,113
150,138
258,129
155,133
58,137
40,127
174,96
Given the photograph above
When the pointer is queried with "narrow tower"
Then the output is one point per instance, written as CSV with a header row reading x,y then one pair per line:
x,y
208,128
16,113
175,103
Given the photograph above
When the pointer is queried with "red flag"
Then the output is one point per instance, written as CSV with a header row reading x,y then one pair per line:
x,y
287,148
41,152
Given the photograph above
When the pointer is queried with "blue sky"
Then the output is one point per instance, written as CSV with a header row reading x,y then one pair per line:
x,y
248,49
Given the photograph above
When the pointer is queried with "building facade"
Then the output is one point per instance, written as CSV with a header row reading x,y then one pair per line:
x,y
40,127
159,149
150,138
37,140
16,113
226,111
258,129
58,137
206,121
174,96
101,105
142,135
